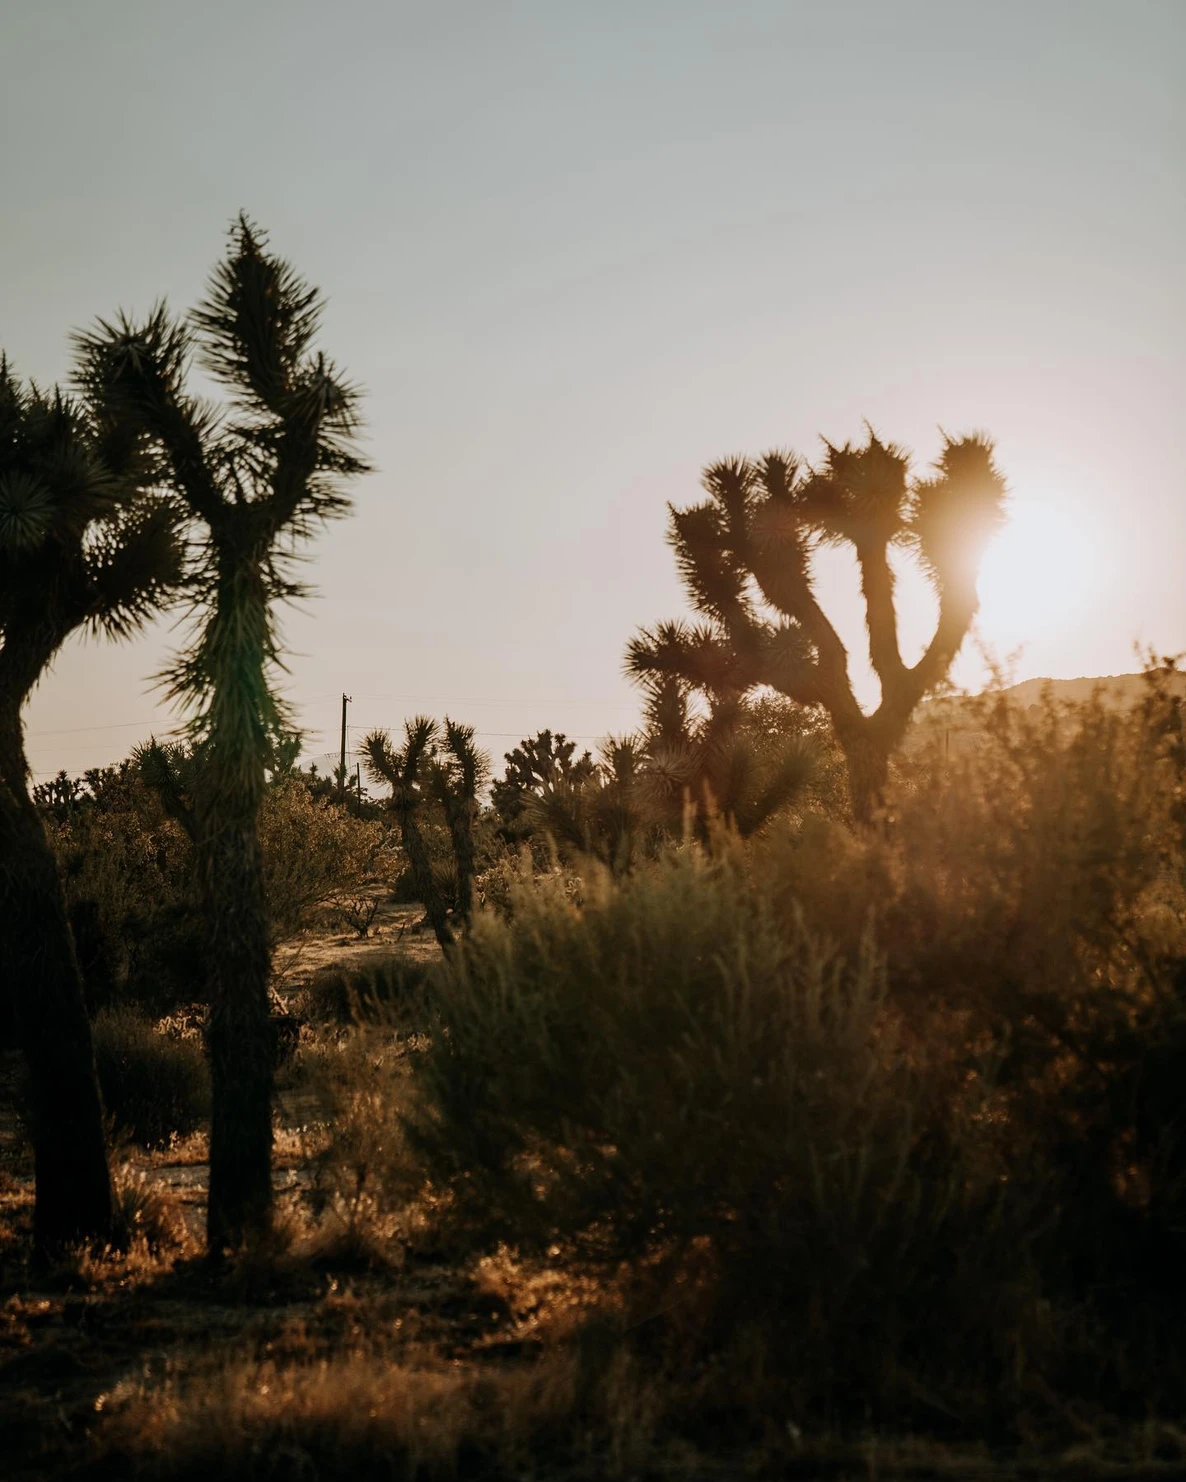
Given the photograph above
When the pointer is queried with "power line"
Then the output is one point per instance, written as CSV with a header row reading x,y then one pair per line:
x,y
120,725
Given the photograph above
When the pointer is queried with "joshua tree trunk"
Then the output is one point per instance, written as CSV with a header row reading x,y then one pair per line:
x,y
73,1182
426,886
461,831
867,762
242,1039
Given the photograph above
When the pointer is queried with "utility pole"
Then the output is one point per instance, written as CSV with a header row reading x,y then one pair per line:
x,y
346,700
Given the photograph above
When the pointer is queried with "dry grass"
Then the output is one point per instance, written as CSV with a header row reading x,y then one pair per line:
x,y
353,1415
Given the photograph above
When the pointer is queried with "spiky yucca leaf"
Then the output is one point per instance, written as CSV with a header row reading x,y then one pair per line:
x,y
257,324
27,511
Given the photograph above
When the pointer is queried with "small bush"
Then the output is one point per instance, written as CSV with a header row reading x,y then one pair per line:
x,y
681,1076
146,1211
155,1086
364,1177
378,990
313,852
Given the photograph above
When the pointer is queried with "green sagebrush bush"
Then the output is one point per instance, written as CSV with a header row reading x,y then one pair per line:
x,y
155,1086
683,1075
313,852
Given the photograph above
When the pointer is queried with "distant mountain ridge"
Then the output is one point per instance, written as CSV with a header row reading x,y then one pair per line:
x,y
947,713
1116,689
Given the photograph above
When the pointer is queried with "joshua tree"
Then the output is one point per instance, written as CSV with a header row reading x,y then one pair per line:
x,y
539,762
257,476
407,772
82,546
745,557
734,762
459,772
448,770
606,813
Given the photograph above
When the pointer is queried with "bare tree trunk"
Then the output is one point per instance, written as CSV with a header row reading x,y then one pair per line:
x,y
241,1036
74,1200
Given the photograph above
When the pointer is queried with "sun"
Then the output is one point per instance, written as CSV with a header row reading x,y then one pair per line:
x,y
1038,574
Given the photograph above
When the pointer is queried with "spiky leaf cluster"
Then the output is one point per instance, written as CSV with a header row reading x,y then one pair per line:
x,y
257,473
738,763
538,763
83,543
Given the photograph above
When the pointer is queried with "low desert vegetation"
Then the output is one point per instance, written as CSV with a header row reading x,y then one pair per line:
x,y
155,1084
803,1148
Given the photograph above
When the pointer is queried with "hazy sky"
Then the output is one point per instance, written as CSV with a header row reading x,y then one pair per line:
x,y
575,251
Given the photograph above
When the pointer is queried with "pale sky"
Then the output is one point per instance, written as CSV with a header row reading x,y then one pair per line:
x,y
574,251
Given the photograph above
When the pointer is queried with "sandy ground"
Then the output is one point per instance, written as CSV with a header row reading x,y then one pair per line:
x,y
397,930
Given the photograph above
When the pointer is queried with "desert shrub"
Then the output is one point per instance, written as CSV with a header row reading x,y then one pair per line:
x,y
1031,901
364,1175
126,868
146,1212
155,1086
356,909
682,1075
384,990
313,851
350,1414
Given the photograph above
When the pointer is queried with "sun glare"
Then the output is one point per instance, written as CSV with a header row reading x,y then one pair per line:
x,y
1038,573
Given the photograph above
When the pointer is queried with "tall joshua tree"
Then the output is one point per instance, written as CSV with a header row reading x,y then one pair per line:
x,y
745,558
257,476
84,544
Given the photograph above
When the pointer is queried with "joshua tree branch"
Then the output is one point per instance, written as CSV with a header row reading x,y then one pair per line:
x,y
881,620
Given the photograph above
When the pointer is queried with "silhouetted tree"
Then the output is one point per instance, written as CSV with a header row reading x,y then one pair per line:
x,y
606,813
458,773
407,772
257,476
735,762
745,558
82,546
539,762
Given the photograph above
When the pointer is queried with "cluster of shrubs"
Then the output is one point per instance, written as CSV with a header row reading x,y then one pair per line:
x,y
883,1124
879,1123
128,871
127,866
